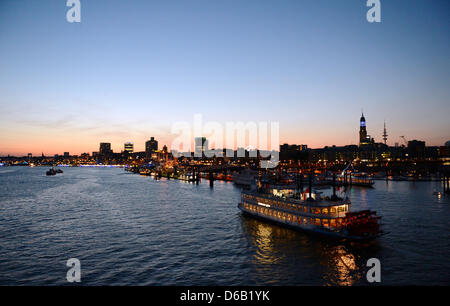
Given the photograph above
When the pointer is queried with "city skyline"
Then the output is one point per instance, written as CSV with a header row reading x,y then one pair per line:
x,y
129,71
142,147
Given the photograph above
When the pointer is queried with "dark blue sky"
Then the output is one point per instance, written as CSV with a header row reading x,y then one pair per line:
x,y
132,68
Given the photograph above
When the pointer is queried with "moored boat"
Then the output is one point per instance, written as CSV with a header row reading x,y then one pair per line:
x,y
356,179
245,178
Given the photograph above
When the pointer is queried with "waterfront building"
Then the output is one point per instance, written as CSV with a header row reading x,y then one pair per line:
x,y
416,149
201,145
105,148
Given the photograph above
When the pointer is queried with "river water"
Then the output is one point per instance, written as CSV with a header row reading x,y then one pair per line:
x,y
128,229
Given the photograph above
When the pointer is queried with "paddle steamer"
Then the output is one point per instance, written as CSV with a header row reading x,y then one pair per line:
x,y
310,211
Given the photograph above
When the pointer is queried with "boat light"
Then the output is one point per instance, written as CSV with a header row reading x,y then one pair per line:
x,y
262,204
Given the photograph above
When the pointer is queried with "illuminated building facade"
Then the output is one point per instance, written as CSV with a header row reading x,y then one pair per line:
x,y
364,139
151,146
128,147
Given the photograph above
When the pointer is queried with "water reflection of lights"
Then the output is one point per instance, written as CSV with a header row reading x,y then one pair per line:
x,y
280,253
265,253
364,200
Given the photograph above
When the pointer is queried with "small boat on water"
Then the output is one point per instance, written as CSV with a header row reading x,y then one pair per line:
x,y
52,171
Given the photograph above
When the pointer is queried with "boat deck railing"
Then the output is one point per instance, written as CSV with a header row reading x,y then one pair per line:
x,y
320,202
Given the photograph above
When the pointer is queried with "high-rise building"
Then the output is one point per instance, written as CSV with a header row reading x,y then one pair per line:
x,y
128,147
66,154
201,145
364,139
105,148
151,146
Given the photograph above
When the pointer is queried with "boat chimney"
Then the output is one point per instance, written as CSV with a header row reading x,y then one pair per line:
x,y
310,186
334,197
334,185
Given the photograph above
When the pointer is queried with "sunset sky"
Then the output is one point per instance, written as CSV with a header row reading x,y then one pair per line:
x,y
131,69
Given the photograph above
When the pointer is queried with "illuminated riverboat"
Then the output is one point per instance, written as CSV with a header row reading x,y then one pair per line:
x,y
311,212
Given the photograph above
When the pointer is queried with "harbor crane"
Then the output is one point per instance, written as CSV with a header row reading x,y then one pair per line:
x,y
350,164
404,139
